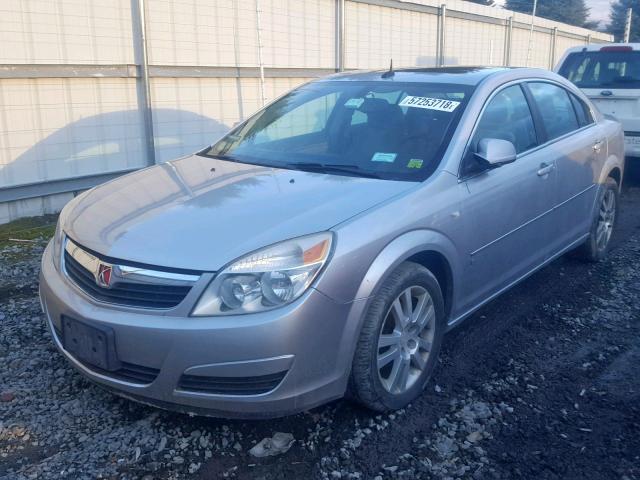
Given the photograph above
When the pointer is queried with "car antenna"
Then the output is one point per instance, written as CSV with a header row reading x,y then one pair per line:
x,y
390,72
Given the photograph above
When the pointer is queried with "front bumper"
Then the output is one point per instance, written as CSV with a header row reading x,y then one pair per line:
x,y
306,340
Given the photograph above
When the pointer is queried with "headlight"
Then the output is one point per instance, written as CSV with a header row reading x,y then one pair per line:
x,y
267,278
57,244
58,237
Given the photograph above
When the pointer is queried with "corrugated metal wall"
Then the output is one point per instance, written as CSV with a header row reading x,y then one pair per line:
x,y
72,88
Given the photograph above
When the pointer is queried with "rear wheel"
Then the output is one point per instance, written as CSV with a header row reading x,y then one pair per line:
x,y
597,245
400,340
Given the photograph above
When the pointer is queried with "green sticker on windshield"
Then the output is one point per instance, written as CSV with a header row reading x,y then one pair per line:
x,y
384,157
415,163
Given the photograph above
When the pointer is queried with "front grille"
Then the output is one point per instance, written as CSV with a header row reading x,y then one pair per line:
x,y
231,385
125,293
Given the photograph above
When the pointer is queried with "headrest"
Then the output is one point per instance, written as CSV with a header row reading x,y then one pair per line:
x,y
374,105
381,113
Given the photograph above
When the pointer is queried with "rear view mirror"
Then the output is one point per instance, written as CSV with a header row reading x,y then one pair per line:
x,y
495,152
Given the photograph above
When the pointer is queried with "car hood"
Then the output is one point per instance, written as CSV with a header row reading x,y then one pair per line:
x,y
201,213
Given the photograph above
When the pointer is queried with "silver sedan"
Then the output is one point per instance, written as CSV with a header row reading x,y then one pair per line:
x,y
325,245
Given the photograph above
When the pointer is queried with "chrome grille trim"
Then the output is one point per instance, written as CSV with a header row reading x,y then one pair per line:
x,y
129,285
127,273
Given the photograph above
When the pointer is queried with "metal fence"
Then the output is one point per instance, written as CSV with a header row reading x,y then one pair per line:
x,y
90,89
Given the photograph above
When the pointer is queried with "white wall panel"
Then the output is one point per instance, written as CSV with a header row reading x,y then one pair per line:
x,y
194,32
540,49
191,113
65,31
298,33
295,33
32,207
374,35
473,43
60,128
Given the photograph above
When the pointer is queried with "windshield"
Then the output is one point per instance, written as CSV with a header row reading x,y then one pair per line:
x,y
373,129
612,69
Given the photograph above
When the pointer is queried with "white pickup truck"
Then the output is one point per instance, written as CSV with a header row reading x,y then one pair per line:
x,y
609,74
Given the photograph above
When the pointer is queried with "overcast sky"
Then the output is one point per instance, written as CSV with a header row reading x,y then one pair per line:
x,y
599,9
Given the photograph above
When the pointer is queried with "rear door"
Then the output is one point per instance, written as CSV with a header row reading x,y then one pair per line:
x,y
610,77
578,146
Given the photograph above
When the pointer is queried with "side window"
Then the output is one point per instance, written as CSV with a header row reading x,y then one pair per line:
x,y
582,111
557,112
507,117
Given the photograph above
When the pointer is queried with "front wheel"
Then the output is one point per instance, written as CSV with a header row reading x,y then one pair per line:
x,y
596,247
400,340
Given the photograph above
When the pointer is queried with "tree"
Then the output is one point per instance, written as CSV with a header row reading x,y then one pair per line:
x,y
488,3
618,18
573,12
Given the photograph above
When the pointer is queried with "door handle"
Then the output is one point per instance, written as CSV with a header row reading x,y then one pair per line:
x,y
545,169
597,146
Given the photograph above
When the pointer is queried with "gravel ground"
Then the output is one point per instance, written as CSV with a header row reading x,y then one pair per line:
x,y
541,383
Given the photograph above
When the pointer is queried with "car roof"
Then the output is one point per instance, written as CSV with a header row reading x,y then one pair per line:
x,y
595,47
461,75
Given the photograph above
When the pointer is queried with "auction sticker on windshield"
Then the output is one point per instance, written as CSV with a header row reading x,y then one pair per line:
x,y
430,103
384,157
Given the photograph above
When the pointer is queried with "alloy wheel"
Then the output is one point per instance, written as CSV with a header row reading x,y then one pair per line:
x,y
606,219
405,340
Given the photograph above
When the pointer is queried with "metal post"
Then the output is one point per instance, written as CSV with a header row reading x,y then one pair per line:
x,y
236,53
588,39
438,28
491,52
533,16
507,42
339,37
260,61
627,25
143,89
442,22
552,56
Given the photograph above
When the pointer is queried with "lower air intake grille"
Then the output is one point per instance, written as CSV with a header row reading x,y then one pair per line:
x,y
128,372
231,385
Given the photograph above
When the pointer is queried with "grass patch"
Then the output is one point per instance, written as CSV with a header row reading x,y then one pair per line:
x,y
30,228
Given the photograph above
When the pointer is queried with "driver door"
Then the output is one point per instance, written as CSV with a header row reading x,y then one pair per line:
x,y
507,210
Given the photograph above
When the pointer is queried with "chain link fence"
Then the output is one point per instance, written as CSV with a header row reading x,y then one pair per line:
x,y
90,89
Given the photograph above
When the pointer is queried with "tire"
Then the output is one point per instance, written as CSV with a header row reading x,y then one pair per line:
x,y
374,387
593,249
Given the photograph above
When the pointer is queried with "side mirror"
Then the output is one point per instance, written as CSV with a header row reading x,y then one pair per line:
x,y
495,152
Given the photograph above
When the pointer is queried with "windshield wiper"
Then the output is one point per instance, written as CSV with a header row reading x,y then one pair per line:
x,y
222,157
331,167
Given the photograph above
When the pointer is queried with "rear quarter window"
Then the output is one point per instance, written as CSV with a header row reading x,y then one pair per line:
x,y
583,112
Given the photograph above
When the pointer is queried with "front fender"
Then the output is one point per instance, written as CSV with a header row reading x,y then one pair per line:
x,y
399,250
392,255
